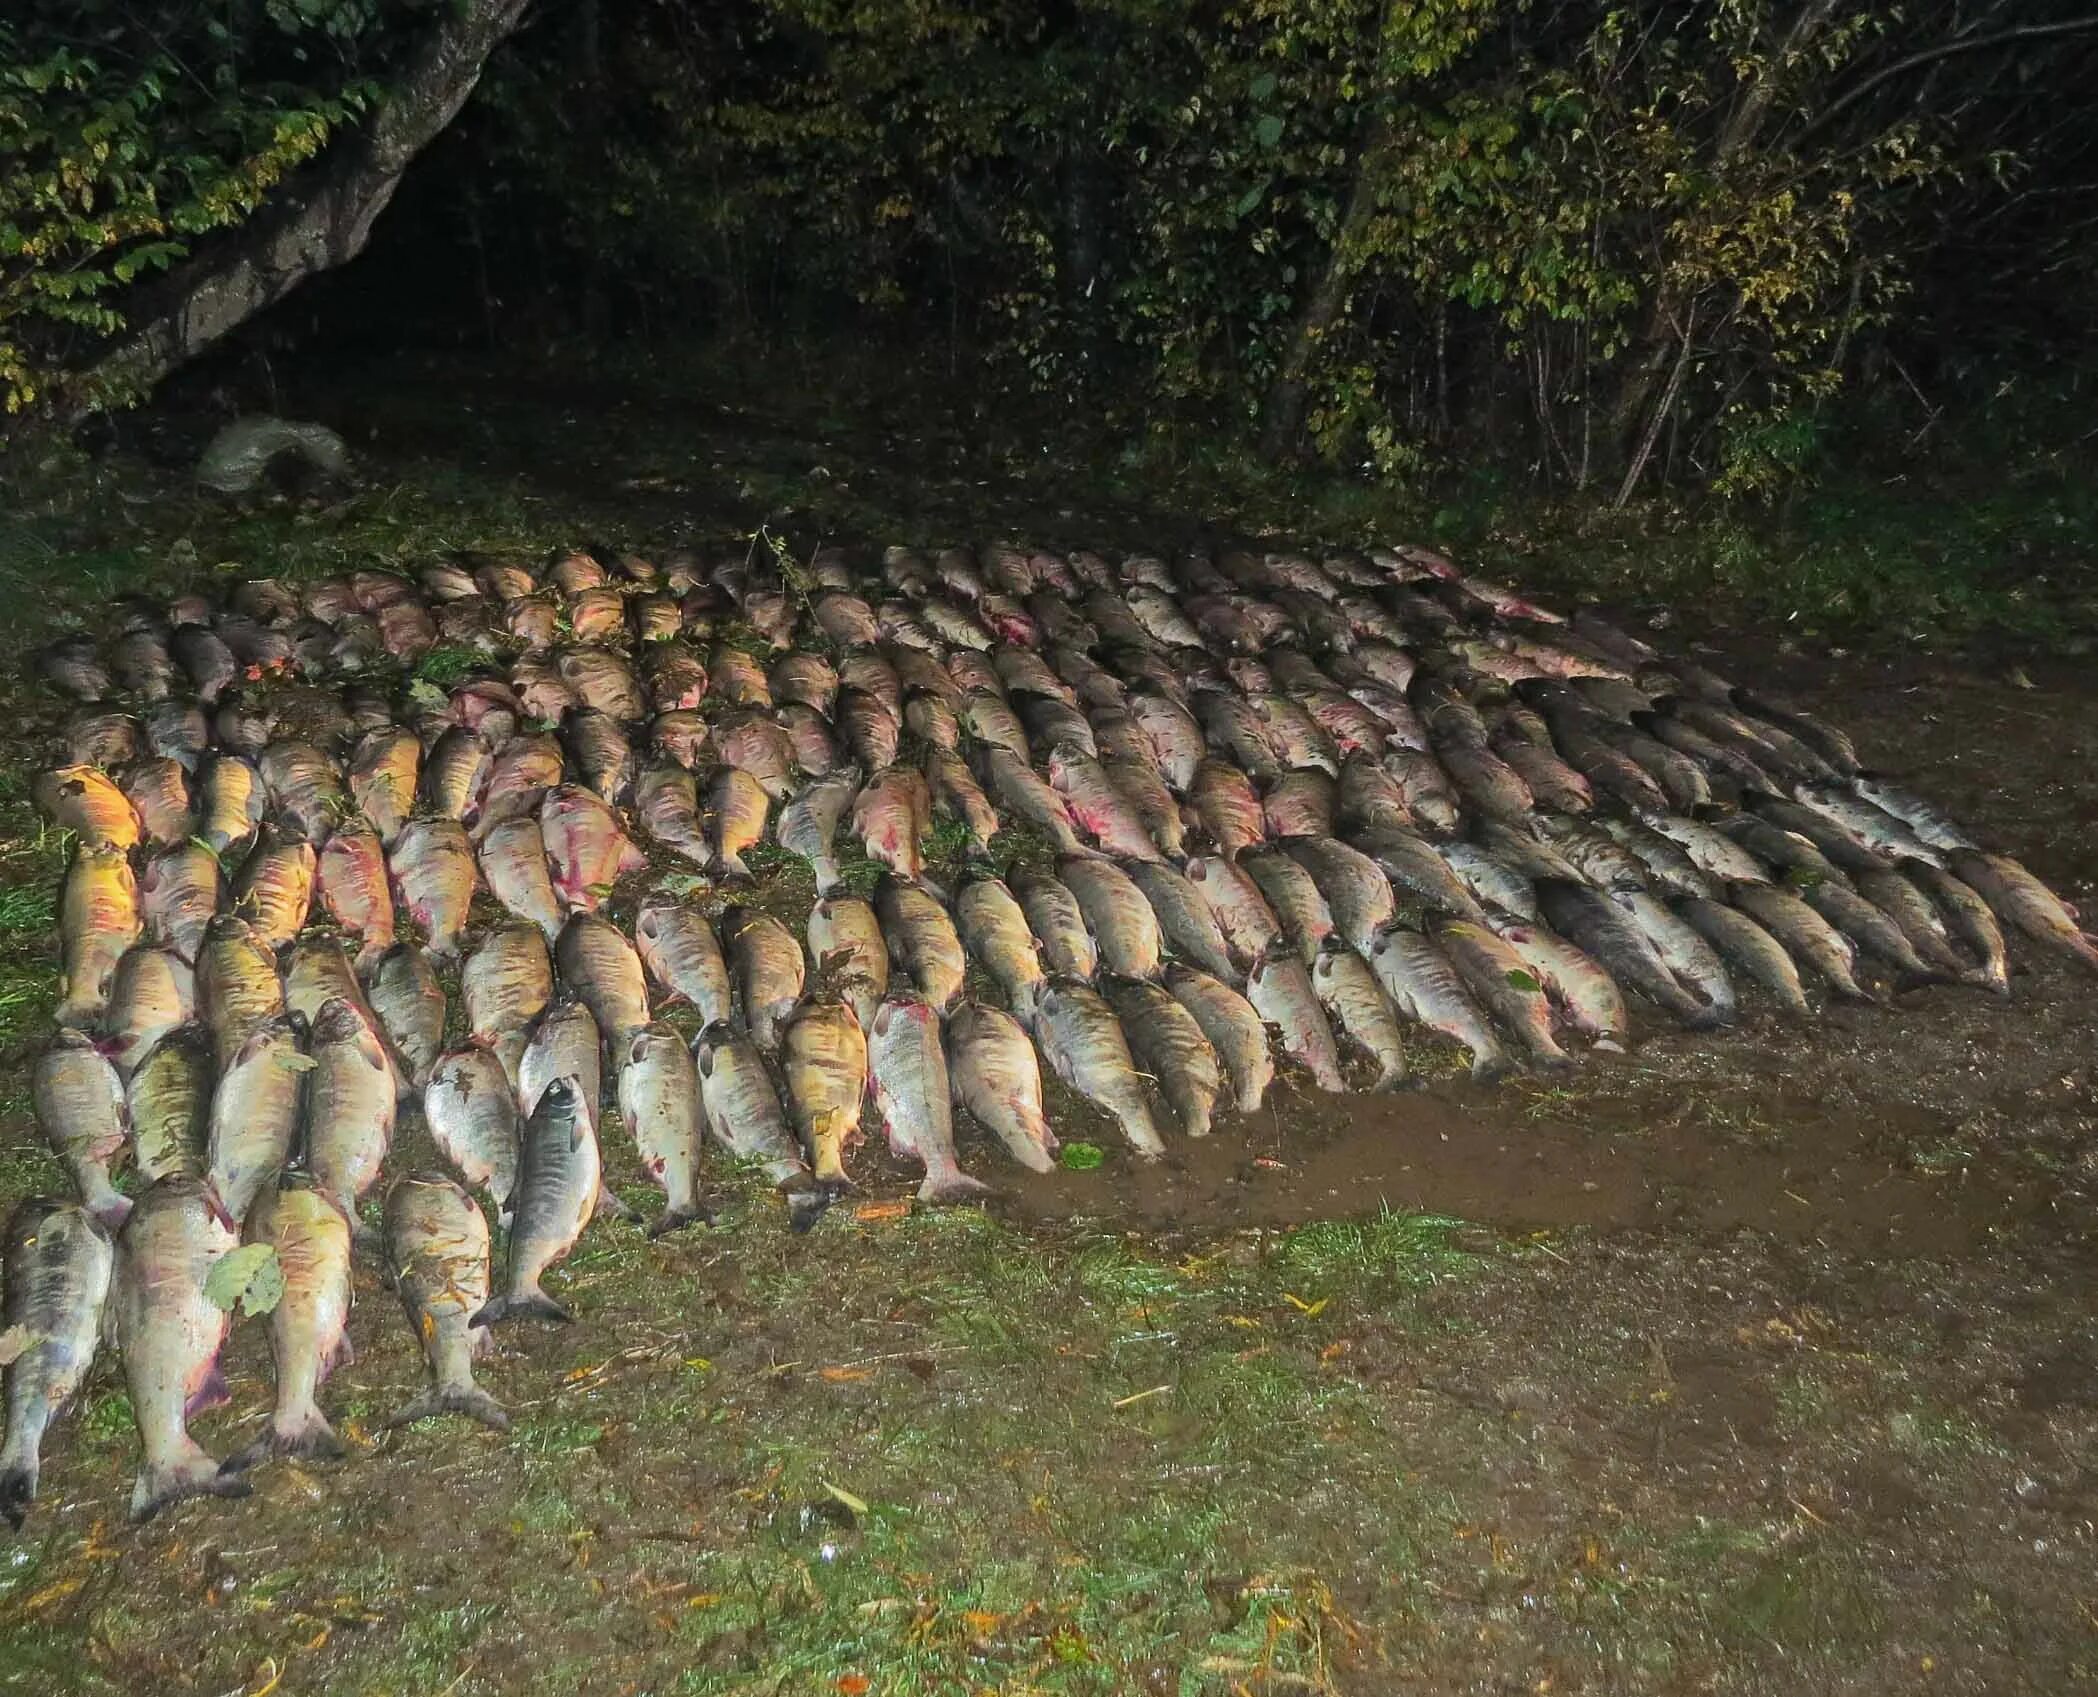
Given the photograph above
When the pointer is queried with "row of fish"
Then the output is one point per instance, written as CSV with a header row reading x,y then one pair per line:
x,y
1143,825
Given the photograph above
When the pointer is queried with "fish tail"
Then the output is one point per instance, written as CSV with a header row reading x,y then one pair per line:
x,y
303,1436
611,1205
1611,1044
681,1215
731,869
533,1303
806,1205
469,1400
110,1210
1553,1062
374,951
1393,1076
17,1490
953,1185
191,1474
1491,1067
1250,1098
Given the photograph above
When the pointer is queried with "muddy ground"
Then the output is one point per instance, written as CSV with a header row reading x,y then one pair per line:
x,y
1764,1362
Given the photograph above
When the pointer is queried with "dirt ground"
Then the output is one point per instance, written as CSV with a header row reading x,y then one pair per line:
x,y
1764,1362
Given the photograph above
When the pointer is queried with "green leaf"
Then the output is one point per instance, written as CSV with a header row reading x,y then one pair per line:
x,y
1524,982
1268,132
858,1505
249,1278
1263,85
1083,1157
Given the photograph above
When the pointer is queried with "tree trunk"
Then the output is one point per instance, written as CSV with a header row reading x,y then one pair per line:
x,y
323,219
1290,391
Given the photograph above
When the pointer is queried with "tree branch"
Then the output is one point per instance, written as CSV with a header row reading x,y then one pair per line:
x,y
1944,49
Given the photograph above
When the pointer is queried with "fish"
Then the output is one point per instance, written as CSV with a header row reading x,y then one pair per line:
x,y
1920,816
907,1067
1810,939
1227,808
1235,900
526,766
1354,886
1587,998
1280,991
304,787
178,896
274,891
808,825
993,928
770,971
1293,897
1502,981
558,1182
1898,897
169,1334
1125,932
1186,922
350,878
1424,984
1873,931
350,1104
1743,943
79,1100
823,1057
435,876
231,807
1096,807
1351,995
1174,734
2021,900
470,1108
602,968
437,1253
1683,950
1611,937
410,1003
308,1327
151,993
1085,1046
1969,920
1412,864
1234,1029
955,792
57,1262
743,1114
921,940
167,1106
847,953
256,1110
680,952
506,984
659,1105
1425,787
586,848
736,811
997,1080
99,919
513,864
1167,1041
456,774
1058,922
1034,802
158,789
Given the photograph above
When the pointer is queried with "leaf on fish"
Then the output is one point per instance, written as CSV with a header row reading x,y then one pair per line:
x,y
249,1278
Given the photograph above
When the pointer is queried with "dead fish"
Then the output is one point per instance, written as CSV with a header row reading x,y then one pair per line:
x,y
1167,1041
1424,985
470,1107
1744,944
274,892
995,1077
993,928
1186,921
743,1115
78,1097
1225,804
824,1060
601,967
1502,980
1586,996
1097,807
1350,993
847,953
891,816
238,987
808,825
1869,928
1120,921
1969,919
564,1044
769,971
2022,900
350,876
506,984
1611,937
232,804
1301,804
678,948
410,1003
435,877
167,1106
1059,925
1086,1047
437,1251
158,790
585,846
178,895
601,754
659,1104
1810,939
1234,1030
921,940
913,1095
169,1334
1016,786
456,775
513,863
57,1263
1281,992
737,807
308,1327
679,736
557,1192
99,919
350,1104
151,993
304,787
202,653
1293,896
1248,924
255,1114
1354,886
666,800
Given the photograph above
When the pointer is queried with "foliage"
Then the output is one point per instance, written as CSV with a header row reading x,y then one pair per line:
x,y
129,131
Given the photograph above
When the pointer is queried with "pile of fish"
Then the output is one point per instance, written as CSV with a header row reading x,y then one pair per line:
x,y
1156,825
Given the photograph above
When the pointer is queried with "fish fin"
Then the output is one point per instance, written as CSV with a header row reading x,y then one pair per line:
x,y
1491,1068
469,1400
955,1186
1552,1066
1609,1045
111,1212
673,1219
194,1474
610,1203
1393,1078
17,1492
806,1205
533,1303
308,1438
212,1393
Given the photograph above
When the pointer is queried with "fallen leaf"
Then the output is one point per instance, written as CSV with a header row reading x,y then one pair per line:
x,y
857,1505
1307,1309
852,1684
844,1375
878,1213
